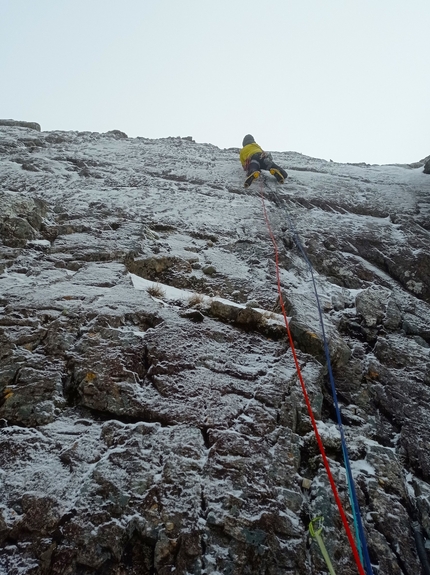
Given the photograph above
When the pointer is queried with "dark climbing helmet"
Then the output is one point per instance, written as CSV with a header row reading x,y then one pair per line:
x,y
248,139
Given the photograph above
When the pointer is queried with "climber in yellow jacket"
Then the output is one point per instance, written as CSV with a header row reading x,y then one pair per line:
x,y
254,159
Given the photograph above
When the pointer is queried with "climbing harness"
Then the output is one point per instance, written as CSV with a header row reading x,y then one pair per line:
x,y
357,555
315,532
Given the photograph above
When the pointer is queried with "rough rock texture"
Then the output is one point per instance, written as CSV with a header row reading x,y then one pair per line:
x,y
152,420
31,125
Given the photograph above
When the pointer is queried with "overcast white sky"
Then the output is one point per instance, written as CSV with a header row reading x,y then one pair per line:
x,y
346,80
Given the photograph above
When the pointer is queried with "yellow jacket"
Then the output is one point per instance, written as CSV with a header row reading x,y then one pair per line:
x,y
248,151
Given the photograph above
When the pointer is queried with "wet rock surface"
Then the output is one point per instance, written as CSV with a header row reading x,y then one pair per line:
x,y
160,427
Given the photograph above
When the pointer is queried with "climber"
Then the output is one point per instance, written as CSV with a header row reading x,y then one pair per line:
x,y
254,159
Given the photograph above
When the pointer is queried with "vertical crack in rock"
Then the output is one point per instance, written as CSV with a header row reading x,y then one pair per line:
x,y
205,435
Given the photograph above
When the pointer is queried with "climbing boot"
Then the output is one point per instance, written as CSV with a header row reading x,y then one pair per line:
x,y
251,178
277,175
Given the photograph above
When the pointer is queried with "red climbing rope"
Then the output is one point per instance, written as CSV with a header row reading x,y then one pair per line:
x,y
305,394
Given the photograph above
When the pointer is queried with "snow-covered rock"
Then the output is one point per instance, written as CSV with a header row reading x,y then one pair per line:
x,y
152,419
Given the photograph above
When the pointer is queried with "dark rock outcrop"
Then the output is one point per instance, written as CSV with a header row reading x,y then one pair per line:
x,y
19,123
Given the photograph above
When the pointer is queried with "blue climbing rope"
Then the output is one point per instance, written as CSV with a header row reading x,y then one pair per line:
x,y
358,524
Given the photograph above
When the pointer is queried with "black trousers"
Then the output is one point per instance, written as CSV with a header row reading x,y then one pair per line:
x,y
260,161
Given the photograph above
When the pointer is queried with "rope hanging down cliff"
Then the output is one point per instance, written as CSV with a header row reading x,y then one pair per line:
x,y
350,480
307,401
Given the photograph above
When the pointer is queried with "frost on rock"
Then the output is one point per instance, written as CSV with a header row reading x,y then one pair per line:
x,y
151,416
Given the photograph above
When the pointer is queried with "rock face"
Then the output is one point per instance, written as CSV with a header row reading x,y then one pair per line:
x,y
152,419
31,125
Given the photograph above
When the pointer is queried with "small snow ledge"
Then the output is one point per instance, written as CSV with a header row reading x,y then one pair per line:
x,y
248,318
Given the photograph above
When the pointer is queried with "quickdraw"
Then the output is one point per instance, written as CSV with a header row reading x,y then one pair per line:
x,y
315,533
